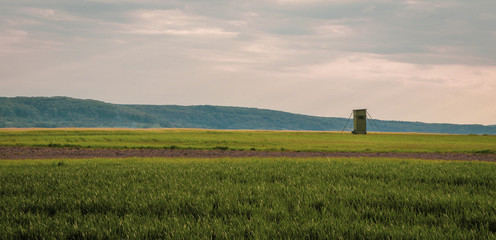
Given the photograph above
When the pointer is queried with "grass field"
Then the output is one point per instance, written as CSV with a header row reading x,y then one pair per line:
x,y
249,140
247,198
260,198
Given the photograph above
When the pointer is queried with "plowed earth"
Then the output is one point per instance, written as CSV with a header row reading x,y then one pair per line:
x,y
53,153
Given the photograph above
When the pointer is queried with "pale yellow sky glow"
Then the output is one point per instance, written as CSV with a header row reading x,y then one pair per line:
x,y
403,60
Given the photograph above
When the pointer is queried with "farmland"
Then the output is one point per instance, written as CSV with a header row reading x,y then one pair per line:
x,y
226,198
249,140
246,197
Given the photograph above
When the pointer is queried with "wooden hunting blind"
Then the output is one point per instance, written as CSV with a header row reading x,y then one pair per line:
x,y
359,121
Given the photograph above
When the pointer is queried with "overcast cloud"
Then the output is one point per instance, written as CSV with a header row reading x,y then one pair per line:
x,y
431,61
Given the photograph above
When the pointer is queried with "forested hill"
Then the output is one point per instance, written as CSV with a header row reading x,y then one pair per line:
x,y
69,112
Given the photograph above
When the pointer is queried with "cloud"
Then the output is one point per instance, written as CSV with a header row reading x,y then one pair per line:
x,y
405,60
17,41
48,14
361,68
10,38
174,22
334,30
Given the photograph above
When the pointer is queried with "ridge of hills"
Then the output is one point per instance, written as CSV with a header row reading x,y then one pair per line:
x,y
52,112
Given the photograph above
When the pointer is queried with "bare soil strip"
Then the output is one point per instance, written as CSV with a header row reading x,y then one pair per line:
x,y
53,153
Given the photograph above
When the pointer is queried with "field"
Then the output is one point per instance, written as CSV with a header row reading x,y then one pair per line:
x,y
249,140
291,198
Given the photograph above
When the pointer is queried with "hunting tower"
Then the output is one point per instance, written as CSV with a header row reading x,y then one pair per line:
x,y
359,121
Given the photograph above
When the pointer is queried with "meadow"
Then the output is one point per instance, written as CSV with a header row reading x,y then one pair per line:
x,y
248,140
254,198
158,198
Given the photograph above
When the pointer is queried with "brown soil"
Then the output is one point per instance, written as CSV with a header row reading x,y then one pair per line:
x,y
51,153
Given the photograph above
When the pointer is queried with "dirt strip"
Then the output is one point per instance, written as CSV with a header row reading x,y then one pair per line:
x,y
51,153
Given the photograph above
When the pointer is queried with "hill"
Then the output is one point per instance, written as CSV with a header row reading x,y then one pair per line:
x,y
54,112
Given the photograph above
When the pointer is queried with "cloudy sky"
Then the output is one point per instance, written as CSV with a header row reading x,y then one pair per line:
x,y
412,60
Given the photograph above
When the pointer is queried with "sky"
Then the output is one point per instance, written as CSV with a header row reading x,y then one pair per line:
x,y
409,60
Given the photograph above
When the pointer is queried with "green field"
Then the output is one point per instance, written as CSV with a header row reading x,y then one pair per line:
x,y
256,198
247,198
249,140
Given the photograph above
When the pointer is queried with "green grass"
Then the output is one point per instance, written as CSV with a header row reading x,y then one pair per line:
x,y
249,140
246,198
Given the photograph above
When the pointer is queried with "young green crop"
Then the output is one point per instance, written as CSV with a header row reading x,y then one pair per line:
x,y
246,198
248,140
